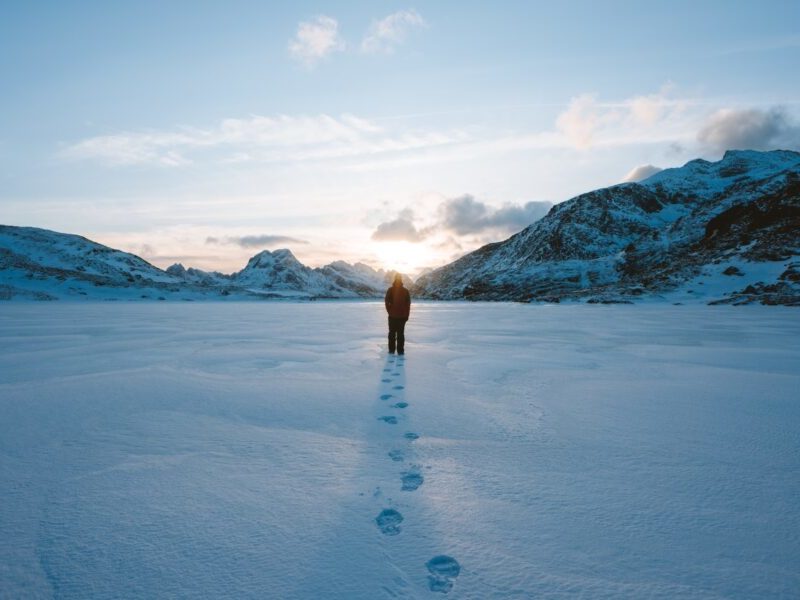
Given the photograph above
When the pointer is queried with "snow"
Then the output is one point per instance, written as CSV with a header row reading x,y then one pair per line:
x,y
702,178
711,283
239,450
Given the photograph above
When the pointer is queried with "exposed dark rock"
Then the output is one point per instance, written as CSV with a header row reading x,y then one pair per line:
x,y
637,239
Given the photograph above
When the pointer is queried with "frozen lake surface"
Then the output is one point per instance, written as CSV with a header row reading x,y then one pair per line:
x,y
274,450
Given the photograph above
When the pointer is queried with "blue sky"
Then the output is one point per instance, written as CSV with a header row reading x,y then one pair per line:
x,y
401,135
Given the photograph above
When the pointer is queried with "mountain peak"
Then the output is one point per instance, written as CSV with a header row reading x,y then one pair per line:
x,y
267,258
283,254
176,269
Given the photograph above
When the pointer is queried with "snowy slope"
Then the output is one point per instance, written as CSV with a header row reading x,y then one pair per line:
x,y
41,264
650,238
46,265
263,450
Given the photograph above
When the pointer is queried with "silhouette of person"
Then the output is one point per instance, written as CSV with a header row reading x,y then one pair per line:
x,y
398,305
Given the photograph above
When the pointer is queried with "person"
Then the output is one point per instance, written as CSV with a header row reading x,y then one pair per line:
x,y
398,306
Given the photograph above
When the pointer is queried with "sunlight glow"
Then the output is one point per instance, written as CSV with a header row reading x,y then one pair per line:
x,y
406,257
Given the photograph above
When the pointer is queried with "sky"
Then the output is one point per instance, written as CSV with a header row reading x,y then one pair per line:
x,y
395,134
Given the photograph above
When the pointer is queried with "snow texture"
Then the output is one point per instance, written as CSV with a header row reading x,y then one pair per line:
x,y
234,450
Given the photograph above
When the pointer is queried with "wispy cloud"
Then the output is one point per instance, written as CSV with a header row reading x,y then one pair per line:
x,y
386,34
151,147
255,241
360,144
315,40
758,45
259,139
586,121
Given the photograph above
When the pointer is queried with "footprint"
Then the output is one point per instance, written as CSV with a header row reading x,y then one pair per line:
x,y
390,420
386,396
389,523
396,455
386,380
412,479
411,436
386,370
398,387
443,571
399,404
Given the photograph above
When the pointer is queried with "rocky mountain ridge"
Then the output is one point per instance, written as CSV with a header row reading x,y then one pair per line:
x,y
725,232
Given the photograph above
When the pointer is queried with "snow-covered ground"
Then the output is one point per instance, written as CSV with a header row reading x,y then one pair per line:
x,y
270,450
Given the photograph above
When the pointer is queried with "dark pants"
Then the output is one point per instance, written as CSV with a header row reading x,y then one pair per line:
x,y
397,327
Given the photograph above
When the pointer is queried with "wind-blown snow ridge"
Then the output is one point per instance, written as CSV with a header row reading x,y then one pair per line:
x,y
723,231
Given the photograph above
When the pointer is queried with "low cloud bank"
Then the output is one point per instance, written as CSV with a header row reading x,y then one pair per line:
x,y
749,129
465,215
460,216
255,241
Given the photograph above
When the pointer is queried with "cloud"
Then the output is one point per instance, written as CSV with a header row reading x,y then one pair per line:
x,y
641,172
156,148
391,31
315,40
751,129
145,250
652,117
580,120
255,241
281,138
402,229
461,216
465,215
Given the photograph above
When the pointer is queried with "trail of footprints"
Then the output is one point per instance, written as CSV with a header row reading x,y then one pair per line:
x,y
442,569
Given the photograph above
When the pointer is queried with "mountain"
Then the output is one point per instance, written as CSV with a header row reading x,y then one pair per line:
x,y
360,278
720,232
39,264
44,265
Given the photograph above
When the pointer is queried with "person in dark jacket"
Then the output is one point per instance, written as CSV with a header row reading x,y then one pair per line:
x,y
398,305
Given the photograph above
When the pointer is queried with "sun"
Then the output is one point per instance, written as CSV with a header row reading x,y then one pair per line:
x,y
405,257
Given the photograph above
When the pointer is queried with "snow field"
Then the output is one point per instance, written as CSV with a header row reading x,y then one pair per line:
x,y
275,451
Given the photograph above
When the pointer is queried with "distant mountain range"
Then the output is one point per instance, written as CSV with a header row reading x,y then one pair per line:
x,y
719,232
716,232
39,264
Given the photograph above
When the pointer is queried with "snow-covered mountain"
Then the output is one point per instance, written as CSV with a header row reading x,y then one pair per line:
x,y
45,265
360,278
40,264
726,231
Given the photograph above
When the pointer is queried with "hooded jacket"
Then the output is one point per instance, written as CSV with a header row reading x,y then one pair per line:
x,y
398,301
